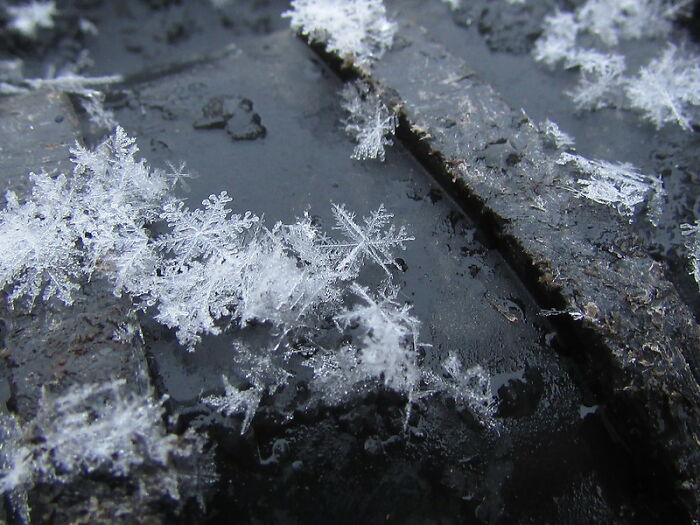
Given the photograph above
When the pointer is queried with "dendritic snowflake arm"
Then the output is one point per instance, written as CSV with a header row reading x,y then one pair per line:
x,y
235,401
370,239
369,121
352,28
620,186
206,231
39,255
668,90
389,341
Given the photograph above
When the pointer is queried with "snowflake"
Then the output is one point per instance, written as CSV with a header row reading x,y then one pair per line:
x,y
667,90
620,186
692,232
236,401
369,240
600,81
204,232
350,28
556,136
91,428
558,38
39,255
369,121
388,340
28,19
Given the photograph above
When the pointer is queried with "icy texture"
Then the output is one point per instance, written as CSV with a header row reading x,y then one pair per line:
x,y
388,338
692,233
620,186
369,121
212,270
665,90
235,401
601,79
668,89
350,28
374,238
93,429
557,137
29,18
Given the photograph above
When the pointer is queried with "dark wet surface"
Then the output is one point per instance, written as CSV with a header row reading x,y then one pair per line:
x,y
550,458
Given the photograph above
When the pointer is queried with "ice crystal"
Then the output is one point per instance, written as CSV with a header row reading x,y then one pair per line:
x,y
611,20
620,186
369,121
664,90
471,387
29,18
558,39
692,233
370,239
556,136
39,255
204,232
86,429
600,81
388,338
350,28
667,89
236,401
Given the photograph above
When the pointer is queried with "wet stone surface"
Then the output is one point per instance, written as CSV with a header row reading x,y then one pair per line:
x,y
261,120
446,466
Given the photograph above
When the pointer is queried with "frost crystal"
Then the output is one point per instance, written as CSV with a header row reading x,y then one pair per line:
x,y
87,429
558,38
210,270
388,338
369,240
611,20
235,401
471,387
369,121
39,255
28,19
692,232
556,136
350,28
600,81
617,185
667,90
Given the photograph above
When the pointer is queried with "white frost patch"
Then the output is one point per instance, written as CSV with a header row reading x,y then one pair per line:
x,y
28,19
235,401
350,28
556,136
369,121
692,232
620,186
668,89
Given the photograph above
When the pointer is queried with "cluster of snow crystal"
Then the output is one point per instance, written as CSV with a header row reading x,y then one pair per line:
x,y
369,121
357,29
692,233
29,18
92,429
556,137
666,90
209,270
620,186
